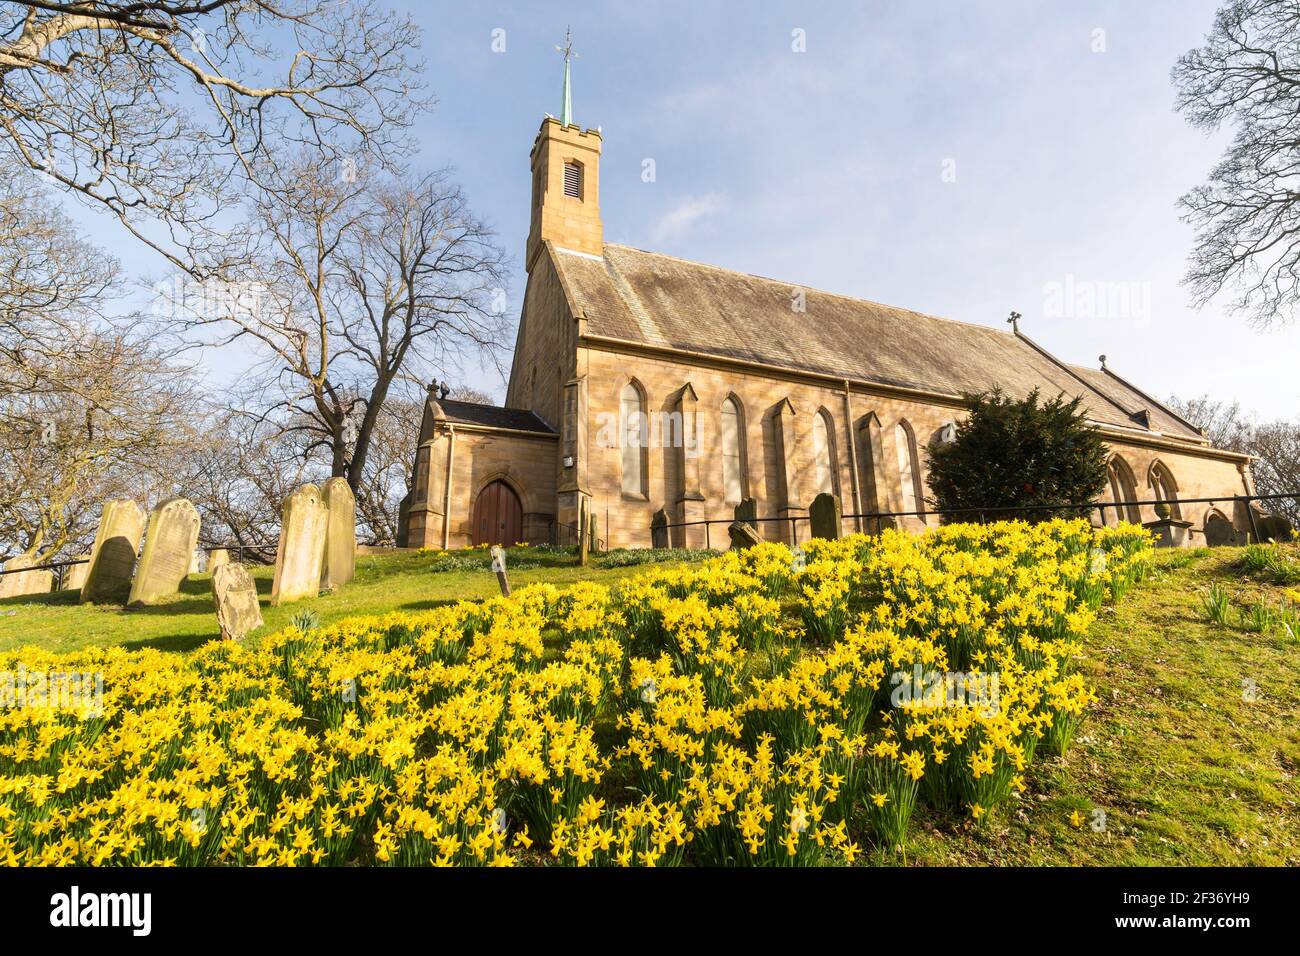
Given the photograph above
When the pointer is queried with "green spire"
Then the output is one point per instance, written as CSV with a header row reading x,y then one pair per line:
x,y
566,114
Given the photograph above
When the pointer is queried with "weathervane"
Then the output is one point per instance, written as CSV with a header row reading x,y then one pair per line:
x,y
566,113
1014,319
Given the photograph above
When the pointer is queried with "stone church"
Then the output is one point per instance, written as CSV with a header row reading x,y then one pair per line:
x,y
643,382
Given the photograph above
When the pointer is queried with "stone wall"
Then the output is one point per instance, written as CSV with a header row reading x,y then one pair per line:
x,y
524,461
626,519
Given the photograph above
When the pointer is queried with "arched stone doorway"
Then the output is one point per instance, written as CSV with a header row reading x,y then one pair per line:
x,y
498,515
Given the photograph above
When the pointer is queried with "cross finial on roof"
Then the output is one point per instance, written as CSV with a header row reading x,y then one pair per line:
x,y
566,112
1014,320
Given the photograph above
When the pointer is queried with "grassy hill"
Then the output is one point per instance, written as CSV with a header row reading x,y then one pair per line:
x,y
1192,751
1189,757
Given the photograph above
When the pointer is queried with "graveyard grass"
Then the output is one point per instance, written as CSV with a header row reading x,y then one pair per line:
x,y
403,581
1185,769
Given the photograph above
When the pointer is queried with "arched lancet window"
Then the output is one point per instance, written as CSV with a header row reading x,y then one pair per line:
x,y
909,469
1122,489
1164,488
634,429
733,450
823,440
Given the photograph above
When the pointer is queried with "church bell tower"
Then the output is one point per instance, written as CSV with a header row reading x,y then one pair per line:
x,y
566,182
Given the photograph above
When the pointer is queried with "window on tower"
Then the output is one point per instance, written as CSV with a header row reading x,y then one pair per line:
x,y
573,180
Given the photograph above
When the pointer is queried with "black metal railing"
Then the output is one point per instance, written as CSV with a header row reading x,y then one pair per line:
x,y
563,535
1122,509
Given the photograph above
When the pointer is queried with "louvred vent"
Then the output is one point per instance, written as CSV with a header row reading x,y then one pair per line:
x,y
573,180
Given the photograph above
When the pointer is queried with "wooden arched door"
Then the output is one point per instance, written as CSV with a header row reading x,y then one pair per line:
x,y
498,515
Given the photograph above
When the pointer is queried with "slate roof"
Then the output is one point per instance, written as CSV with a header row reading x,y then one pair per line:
x,y
653,299
493,416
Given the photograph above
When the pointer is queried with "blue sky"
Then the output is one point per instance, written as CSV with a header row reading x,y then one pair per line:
x,y
962,159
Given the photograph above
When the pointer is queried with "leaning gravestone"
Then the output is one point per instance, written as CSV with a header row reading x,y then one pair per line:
x,y
1273,527
824,513
340,562
168,550
742,535
747,511
236,596
75,577
22,582
301,551
112,558
216,558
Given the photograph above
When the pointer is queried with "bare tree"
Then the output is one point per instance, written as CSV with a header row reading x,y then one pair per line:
x,y
107,412
368,285
162,112
50,282
238,477
1247,215
387,475
1277,470
1275,447
1225,424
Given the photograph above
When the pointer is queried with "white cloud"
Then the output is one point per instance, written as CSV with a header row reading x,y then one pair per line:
x,y
685,216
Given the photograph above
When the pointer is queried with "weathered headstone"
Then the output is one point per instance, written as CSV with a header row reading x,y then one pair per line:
x,y
747,511
403,516
1273,527
301,550
742,535
235,594
216,558
168,550
75,576
21,582
112,558
1219,532
824,515
198,561
340,562
659,529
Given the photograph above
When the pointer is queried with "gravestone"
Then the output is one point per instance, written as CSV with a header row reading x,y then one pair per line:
x,y
168,551
1220,532
880,523
235,594
1272,527
340,562
403,516
747,511
75,576
23,582
216,558
659,529
112,558
742,535
824,515
198,561
300,554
